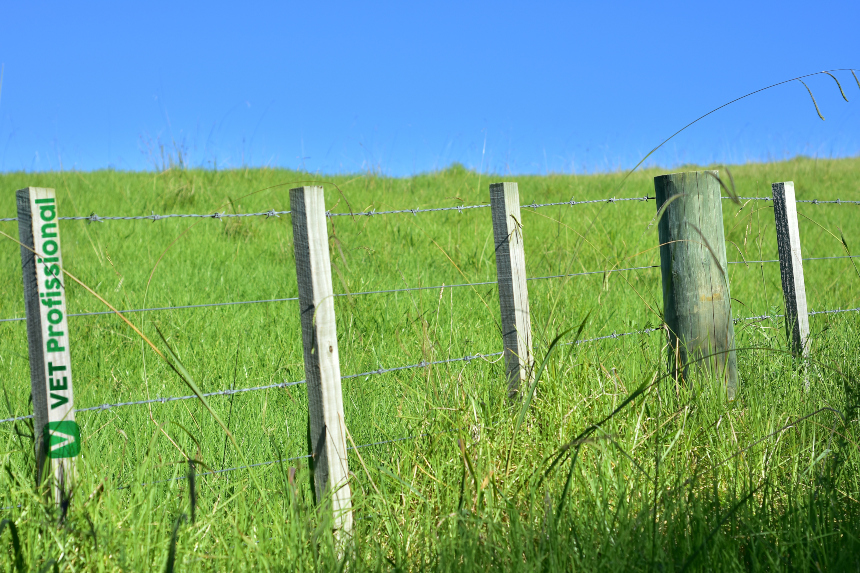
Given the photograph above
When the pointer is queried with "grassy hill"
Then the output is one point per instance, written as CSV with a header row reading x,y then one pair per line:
x,y
669,479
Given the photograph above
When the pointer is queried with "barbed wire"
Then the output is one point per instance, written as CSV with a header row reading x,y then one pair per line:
x,y
230,392
374,212
809,313
805,259
164,308
572,202
347,294
94,218
423,364
813,201
837,311
613,336
408,289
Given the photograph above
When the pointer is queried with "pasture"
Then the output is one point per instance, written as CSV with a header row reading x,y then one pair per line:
x,y
665,478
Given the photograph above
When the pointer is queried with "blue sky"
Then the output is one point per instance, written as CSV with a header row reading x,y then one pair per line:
x,y
402,88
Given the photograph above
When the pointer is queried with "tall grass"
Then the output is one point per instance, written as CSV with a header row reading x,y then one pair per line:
x,y
612,466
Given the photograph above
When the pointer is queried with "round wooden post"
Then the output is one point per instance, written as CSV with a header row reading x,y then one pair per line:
x,y
696,300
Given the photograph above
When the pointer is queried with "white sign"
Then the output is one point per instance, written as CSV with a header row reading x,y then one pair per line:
x,y
62,435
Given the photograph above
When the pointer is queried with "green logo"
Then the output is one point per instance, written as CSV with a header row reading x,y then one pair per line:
x,y
62,439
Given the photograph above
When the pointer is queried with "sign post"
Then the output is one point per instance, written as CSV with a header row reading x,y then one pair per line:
x,y
322,361
513,292
57,435
791,267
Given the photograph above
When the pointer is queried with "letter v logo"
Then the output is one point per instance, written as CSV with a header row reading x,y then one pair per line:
x,y
62,439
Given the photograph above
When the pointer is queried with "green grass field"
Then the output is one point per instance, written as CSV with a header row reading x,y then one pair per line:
x,y
673,480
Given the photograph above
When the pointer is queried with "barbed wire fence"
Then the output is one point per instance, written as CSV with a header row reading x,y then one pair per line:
x,y
94,218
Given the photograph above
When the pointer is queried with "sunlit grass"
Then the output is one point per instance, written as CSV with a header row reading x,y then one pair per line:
x,y
673,478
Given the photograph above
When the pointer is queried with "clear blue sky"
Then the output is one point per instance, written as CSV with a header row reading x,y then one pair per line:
x,y
408,87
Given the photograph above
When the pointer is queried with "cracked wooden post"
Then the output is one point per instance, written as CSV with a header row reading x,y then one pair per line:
x,y
513,293
57,435
791,268
322,363
696,299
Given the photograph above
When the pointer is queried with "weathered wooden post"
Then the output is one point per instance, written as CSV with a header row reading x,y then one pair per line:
x,y
57,435
322,363
513,293
791,268
696,301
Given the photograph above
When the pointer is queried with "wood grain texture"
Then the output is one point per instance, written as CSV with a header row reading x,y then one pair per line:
x,y
57,435
791,267
696,299
513,291
322,362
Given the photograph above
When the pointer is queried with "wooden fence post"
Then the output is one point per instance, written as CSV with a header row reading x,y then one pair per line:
x,y
322,363
696,300
513,293
57,435
791,268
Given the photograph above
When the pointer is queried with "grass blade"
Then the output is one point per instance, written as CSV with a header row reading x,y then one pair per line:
x,y
50,565
838,84
192,490
171,551
662,210
527,402
818,111
16,543
847,250
181,371
713,532
729,191
402,482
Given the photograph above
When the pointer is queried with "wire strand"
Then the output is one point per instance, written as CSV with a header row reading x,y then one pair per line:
x,y
409,289
94,218
423,364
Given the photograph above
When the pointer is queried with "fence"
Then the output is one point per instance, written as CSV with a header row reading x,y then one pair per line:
x,y
314,276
